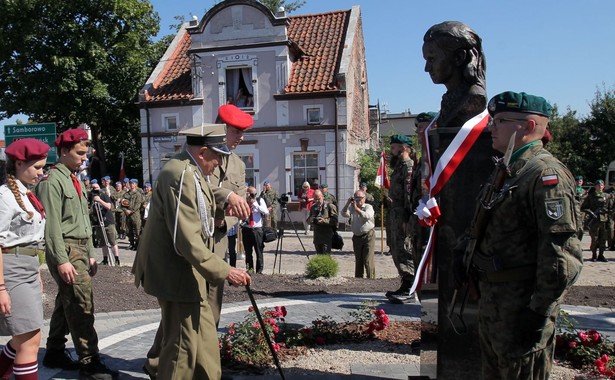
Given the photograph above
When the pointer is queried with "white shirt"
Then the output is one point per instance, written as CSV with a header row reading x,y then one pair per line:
x,y
259,208
362,221
15,227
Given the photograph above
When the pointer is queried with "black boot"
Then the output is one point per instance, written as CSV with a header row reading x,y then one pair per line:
x,y
593,256
601,257
117,260
403,290
59,359
105,261
92,368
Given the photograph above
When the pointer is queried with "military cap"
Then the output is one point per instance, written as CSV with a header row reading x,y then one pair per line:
x,y
578,178
266,182
363,184
26,150
598,182
324,186
401,139
424,117
231,115
94,181
106,178
118,183
210,135
147,184
126,179
86,178
519,102
71,136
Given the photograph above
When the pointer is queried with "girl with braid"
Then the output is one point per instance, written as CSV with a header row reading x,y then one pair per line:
x,y
22,226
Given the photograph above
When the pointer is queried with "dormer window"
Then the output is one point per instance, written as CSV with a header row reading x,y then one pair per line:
x,y
313,114
239,88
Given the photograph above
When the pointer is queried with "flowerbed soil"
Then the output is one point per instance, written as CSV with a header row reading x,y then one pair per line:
x,y
114,290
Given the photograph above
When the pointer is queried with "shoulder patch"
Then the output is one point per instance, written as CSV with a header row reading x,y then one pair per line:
x,y
554,208
550,179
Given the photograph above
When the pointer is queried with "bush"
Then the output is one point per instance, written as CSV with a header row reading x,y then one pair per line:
x,y
321,266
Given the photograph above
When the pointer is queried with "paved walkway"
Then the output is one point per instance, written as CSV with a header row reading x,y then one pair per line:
x,y
126,336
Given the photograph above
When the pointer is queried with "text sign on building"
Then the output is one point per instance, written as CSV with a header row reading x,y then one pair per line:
x,y
46,132
159,139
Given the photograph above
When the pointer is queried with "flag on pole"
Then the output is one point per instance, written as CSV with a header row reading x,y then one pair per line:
x,y
382,178
122,169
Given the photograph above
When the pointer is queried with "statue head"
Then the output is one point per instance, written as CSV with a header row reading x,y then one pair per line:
x,y
454,55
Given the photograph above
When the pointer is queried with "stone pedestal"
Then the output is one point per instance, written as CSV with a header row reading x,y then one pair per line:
x,y
458,356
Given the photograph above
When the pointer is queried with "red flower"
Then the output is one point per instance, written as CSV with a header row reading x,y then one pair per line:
x,y
572,344
283,309
251,309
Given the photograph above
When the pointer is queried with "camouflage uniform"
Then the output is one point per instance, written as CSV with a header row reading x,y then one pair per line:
x,y
579,197
135,200
599,204
120,217
399,215
68,239
528,258
271,199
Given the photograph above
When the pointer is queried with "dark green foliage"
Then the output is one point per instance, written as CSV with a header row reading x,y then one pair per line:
x,y
321,266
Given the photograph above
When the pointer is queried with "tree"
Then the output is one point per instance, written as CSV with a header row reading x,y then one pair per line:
x,y
571,142
79,62
290,7
600,125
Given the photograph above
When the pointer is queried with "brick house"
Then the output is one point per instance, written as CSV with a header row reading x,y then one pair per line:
x,y
303,79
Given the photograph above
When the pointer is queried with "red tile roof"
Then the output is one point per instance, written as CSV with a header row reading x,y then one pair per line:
x,y
320,36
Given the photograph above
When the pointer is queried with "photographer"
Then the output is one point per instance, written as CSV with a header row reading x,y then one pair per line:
x,y
104,202
362,222
253,232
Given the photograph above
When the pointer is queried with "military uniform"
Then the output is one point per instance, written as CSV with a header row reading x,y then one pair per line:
x,y
271,199
133,217
579,197
528,257
68,238
399,215
323,233
120,217
178,266
599,206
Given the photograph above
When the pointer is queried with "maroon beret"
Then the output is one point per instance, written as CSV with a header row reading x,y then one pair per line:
x,y
232,116
27,149
71,136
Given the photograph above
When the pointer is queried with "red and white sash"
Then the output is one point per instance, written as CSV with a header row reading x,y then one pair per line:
x,y
428,210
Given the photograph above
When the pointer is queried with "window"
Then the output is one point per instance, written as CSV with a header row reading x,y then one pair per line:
x,y
169,121
313,116
248,159
305,168
239,89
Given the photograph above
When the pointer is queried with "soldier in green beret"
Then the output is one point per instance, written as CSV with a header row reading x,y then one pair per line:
x,y
70,257
579,196
530,237
400,209
599,207
327,195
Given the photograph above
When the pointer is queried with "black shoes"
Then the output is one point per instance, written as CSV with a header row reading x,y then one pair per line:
x,y
59,359
602,259
92,368
117,261
105,261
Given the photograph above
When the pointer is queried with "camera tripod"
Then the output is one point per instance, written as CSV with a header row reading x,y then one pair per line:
x,y
101,225
285,216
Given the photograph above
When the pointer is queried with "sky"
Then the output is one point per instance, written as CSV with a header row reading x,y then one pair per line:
x,y
562,50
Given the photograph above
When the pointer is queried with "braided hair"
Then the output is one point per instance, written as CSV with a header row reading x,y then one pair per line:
x,y
11,182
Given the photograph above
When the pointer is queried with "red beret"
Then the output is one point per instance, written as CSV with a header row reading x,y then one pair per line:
x,y
27,149
71,136
232,116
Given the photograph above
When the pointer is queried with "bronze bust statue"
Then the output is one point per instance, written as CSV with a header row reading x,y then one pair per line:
x,y
454,57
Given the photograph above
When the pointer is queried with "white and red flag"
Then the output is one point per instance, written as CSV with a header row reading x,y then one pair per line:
x,y
122,169
382,178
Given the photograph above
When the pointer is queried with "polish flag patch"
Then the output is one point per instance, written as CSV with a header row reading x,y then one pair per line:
x,y
550,180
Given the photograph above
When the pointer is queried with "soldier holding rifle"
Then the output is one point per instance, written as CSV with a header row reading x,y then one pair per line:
x,y
527,253
598,205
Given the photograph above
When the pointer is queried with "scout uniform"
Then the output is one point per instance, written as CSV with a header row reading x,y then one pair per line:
x,y
528,258
399,214
599,205
68,239
175,263
22,227
323,233
227,178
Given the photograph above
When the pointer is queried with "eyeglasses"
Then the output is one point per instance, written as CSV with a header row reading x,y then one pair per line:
x,y
358,198
499,120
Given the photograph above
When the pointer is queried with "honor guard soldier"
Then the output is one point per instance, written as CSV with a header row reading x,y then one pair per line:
x,y
529,254
598,205
399,215
175,261
71,260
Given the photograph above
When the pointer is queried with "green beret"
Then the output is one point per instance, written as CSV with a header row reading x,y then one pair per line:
x,y
324,186
424,117
401,139
599,182
579,177
519,102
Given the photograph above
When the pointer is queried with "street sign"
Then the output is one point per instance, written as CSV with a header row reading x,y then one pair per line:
x,y
46,132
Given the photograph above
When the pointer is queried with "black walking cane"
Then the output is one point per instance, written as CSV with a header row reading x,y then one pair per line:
x,y
260,320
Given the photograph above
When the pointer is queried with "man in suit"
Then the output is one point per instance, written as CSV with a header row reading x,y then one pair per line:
x,y
175,260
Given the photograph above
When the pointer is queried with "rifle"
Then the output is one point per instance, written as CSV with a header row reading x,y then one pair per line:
x,y
489,196
591,218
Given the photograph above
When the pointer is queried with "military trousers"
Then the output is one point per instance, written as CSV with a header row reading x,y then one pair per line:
x,y
363,247
74,305
402,256
189,342
134,228
508,352
599,234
